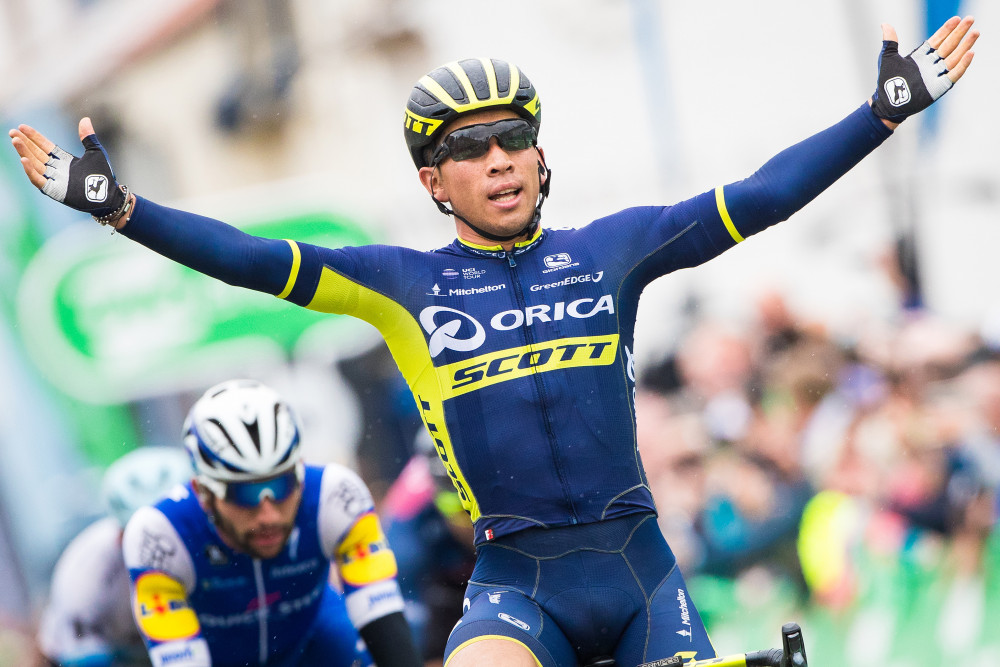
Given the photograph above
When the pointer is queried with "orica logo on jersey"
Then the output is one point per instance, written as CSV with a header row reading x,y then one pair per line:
x,y
451,334
453,329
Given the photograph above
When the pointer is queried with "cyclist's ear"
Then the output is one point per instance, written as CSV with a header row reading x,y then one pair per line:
x,y
204,495
543,172
430,178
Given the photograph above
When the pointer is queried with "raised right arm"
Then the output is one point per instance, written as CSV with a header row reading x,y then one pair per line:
x,y
212,247
88,184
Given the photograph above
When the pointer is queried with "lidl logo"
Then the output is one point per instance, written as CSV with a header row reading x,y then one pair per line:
x,y
161,608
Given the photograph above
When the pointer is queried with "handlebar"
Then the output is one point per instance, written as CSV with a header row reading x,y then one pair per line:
x,y
792,653
768,658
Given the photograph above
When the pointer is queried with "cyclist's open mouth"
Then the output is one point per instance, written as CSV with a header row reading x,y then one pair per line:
x,y
505,195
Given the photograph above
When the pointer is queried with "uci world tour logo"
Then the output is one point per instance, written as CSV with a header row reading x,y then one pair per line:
x,y
446,334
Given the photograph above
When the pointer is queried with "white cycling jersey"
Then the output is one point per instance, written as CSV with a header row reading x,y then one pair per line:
x,y
88,612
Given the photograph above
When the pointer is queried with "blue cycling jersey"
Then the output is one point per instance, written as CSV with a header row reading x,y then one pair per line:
x,y
521,362
195,597
295,581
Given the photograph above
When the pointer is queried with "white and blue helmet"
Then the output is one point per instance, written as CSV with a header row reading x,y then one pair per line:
x,y
142,477
241,431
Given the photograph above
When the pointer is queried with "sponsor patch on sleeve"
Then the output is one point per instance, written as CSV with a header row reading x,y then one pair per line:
x,y
192,653
364,556
161,609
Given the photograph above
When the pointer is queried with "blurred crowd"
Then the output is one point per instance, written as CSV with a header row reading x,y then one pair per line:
x,y
848,485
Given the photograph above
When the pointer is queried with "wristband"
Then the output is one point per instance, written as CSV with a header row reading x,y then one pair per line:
x,y
122,211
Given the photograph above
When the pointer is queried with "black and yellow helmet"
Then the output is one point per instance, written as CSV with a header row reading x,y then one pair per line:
x,y
462,87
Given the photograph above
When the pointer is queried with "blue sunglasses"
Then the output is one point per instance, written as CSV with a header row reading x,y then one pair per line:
x,y
252,494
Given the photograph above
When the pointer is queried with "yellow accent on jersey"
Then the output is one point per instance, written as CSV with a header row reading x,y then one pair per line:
x,y
161,609
497,246
405,338
364,556
720,201
293,275
473,374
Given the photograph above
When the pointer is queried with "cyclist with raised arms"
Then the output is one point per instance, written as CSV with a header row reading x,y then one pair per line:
x,y
235,568
87,620
517,341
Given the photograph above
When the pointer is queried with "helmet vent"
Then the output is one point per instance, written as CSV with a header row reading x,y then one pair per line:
x,y
253,430
477,77
225,434
422,98
503,77
446,79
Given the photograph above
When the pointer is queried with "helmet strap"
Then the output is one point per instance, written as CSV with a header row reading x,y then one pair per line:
x,y
528,229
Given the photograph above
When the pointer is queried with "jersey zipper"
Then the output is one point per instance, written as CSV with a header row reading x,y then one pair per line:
x,y
542,402
262,610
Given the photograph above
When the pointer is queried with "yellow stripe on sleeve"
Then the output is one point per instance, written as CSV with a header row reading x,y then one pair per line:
x,y
293,275
720,202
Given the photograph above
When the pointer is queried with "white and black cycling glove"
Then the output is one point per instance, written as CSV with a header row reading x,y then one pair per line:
x,y
908,85
85,183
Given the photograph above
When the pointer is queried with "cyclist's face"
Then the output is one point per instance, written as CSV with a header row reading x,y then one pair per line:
x,y
497,191
259,531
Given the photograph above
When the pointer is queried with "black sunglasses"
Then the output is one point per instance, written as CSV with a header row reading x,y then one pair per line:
x,y
513,134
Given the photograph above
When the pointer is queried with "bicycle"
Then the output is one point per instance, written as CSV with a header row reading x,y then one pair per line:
x,y
791,654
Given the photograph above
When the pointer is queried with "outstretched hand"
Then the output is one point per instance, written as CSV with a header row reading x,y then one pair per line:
x,y
84,183
910,84
951,44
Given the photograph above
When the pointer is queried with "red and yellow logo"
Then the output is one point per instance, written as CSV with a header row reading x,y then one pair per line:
x,y
161,609
364,556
